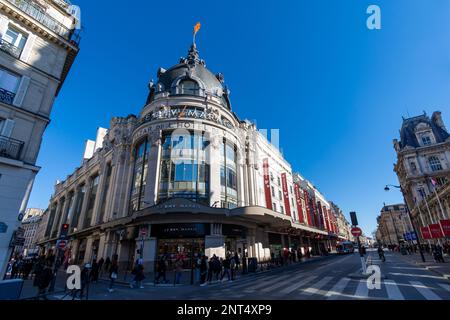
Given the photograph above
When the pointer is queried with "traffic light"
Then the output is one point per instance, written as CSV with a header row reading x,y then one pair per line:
x,y
64,230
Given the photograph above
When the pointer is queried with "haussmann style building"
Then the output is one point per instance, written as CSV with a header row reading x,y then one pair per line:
x,y
187,176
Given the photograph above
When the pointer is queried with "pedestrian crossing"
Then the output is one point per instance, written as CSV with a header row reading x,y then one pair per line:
x,y
312,286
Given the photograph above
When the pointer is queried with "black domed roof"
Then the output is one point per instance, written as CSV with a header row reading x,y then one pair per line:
x,y
192,68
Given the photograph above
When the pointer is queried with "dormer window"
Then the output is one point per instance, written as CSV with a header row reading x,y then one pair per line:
x,y
435,163
189,87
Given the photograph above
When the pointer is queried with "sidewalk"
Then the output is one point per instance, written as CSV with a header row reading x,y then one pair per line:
x,y
442,269
124,278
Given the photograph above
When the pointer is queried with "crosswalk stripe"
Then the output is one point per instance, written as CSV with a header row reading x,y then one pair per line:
x,y
319,285
393,291
445,286
267,282
425,291
362,291
283,283
337,289
297,285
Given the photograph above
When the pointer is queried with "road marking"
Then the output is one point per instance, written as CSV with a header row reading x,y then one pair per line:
x,y
337,289
319,285
297,285
266,282
393,291
283,283
445,286
362,291
425,291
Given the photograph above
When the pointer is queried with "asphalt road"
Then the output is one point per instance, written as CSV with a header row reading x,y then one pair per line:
x,y
331,278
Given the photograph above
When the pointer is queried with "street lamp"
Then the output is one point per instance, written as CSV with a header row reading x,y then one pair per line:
x,y
410,217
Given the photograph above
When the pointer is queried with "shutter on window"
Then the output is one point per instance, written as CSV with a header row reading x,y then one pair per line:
x,y
8,128
28,47
23,86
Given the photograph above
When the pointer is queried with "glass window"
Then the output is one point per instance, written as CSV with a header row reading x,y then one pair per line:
x,y
184,171
9,81
228,173
426,140
15,37
435,163
189,87
139,175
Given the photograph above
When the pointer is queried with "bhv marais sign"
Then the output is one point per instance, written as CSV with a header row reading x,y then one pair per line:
x,y
187,113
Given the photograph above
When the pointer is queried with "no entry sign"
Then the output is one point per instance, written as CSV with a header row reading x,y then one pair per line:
x,y
356,232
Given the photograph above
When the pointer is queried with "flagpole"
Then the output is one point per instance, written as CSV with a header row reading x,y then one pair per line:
x,y
439,201
423,223
431,218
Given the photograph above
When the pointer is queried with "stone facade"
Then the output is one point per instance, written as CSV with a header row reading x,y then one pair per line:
x,y
30,225
186,177
423,169
37,48
393,223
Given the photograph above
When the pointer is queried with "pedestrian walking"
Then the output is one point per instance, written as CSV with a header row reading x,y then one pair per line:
x,y
107,264
113,273
138,272
203,270
161,269
101,262
178,270
210,269
94,271
237,262
45,277
226,268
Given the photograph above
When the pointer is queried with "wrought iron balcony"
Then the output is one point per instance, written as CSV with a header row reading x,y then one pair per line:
x,y
6,96
36,12
10,148
10,49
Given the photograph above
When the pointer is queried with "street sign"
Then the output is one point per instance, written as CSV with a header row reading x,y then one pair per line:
x,y
3,227
356,232
61,244
354,218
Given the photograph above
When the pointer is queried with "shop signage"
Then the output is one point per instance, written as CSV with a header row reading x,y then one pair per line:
x,y
410,236
179,230
267,191
185,112
286,194
233,230
436,231
445,224
299,203
425,233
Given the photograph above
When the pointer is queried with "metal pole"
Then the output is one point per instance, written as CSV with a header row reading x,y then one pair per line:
x,y
414,227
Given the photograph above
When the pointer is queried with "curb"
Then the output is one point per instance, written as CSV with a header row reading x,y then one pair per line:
x,y
431,269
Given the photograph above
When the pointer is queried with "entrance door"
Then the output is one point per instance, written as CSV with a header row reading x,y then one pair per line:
x,y
187,249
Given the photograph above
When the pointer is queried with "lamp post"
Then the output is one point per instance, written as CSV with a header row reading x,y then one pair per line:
x,y
410,217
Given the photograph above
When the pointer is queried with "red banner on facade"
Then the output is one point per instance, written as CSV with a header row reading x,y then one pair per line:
x,y
426,234
308,210
327,218
287,205
436,231
445,224
298,199
267,191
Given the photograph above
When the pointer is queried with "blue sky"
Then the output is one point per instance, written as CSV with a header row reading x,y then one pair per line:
x,y
336,90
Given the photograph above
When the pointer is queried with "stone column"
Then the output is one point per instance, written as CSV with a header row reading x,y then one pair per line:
x,y
215,244
100,193
154,163
214,176
88,253
85,204
57,219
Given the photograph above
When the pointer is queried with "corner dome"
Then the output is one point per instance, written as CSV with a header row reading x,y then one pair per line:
x,y
190,77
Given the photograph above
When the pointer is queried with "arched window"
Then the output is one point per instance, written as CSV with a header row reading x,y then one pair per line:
x,y
435,163
139,175
189,87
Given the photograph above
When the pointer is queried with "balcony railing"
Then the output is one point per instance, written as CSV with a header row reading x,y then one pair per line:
x,y
37,13
10,49
6,96
10,148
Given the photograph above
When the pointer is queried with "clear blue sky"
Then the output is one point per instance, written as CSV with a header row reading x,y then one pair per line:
x,y
311,68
